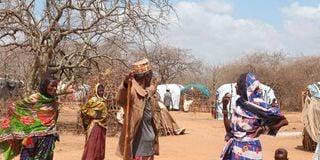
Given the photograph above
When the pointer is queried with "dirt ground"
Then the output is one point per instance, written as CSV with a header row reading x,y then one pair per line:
x,y
204,141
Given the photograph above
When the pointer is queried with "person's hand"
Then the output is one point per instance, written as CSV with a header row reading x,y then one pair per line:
x,y
153,87
225,100
156,81
126,79
259,131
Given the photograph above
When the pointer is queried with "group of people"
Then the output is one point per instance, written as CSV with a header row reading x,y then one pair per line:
x,y
30,127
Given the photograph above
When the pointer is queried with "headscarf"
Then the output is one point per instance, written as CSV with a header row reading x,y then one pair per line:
x,y
89,111
252,103
96,89
44,83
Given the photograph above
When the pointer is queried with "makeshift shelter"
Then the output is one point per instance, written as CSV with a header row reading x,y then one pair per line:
x,y
175,93
165,122
311,116
197,97
203,89
268,96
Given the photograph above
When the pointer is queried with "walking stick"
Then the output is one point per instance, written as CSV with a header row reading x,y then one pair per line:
x,y
127,120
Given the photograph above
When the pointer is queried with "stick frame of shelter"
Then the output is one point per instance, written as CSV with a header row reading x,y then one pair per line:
x,y
127,127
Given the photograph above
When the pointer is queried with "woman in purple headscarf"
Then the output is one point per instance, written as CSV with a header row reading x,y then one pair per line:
x,y
251,117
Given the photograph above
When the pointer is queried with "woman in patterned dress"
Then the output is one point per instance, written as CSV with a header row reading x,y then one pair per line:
x,y
94,115
30,125
251,117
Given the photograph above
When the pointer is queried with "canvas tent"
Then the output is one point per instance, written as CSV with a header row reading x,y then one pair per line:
x,y
175,93
268,96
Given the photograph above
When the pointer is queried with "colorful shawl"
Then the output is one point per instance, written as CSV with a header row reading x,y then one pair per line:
x,y
94,111
250,112
35,115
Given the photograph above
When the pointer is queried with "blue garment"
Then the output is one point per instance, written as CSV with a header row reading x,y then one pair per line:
x,y
39,147
250,112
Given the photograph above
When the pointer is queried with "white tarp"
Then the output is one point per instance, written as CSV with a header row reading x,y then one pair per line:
x,y
268,95
175,93
314,90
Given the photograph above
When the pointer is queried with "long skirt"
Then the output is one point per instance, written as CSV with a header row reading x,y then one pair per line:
x,y
143,157
38,147
242,150
94,148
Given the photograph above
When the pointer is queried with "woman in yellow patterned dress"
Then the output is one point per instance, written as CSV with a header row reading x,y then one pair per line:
x,y
94,115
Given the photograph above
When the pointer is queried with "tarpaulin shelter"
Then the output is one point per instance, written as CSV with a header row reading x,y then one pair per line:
x,y
166,123
197,96
203,89
268,96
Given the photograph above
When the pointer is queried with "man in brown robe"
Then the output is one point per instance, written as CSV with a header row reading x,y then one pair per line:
x,y
142,143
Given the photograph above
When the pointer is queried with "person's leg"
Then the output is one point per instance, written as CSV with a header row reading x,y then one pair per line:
x,y
168,108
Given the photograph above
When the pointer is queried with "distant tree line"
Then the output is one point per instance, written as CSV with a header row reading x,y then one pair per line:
x,y
287,76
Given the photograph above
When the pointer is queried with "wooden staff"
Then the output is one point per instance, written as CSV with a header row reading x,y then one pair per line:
x,y
127,120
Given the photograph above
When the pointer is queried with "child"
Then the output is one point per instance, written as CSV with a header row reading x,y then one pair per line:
x,y
281,154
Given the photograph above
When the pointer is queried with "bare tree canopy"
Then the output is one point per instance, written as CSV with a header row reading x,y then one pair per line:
x,y
171,62
64,36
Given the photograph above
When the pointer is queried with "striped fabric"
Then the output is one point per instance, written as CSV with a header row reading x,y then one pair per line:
x,y
248,116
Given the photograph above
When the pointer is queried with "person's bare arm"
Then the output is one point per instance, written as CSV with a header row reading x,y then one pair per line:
x,y
282,123
225,101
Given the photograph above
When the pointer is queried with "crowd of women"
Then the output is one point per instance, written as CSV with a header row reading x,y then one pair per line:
x,y
30,126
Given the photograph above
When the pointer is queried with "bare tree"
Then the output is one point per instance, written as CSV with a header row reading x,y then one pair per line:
x,y
63,36
170,63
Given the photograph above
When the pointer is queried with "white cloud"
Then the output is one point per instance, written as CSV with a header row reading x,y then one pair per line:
x,y
302,28
217,37
213,34
295,10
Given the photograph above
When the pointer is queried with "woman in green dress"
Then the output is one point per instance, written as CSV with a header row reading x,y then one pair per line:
x,y
30,125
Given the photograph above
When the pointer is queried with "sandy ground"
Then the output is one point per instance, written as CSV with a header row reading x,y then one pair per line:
x,y
204,141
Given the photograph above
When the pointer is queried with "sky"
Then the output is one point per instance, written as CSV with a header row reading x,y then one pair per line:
x,y
221,31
